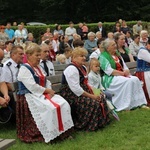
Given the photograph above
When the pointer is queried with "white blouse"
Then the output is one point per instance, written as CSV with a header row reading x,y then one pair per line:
x,y
73,79
26,77
144,55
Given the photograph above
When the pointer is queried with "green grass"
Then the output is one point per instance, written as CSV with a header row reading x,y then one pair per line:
x,y
132,132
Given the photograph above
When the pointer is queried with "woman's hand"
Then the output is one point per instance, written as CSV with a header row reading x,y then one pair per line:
x,y
126,73
50,91
7,98
3,102
97,98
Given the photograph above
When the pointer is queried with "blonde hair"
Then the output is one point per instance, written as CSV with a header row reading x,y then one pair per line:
x,y
61,58
143,32
93,61
79,51
31,48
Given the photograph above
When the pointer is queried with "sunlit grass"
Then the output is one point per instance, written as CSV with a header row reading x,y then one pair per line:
x,y
132,132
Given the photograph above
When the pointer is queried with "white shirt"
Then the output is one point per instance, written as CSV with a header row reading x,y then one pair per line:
x,y
73,79
94,80
26,77
95,54
21,34
10,72
1,80
6,55
68,61
55,44
134,48
69,32
50,67
144,55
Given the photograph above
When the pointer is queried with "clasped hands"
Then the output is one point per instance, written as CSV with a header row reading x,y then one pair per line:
x,y
50,92
4,101
99,97
126,73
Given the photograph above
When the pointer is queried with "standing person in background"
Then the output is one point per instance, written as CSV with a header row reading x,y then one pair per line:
x,y
21,33
137,28
70,31
48,32
117,27
59,30
14,23
25,29
3,35
124,28
80,30
10,31
85,31
101,29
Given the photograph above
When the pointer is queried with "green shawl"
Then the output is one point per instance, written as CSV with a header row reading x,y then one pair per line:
x,y
106,59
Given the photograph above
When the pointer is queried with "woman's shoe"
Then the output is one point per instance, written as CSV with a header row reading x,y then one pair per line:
x,y
145,107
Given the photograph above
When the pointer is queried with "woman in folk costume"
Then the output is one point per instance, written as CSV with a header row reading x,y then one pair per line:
x,y
41,114
89,111
127,89
143,68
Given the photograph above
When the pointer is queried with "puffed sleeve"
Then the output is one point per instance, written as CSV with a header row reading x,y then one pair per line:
x,y
26,77
72,77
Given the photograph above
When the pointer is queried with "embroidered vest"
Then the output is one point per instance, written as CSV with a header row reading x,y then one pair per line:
x,y
22,89
80,74
142,65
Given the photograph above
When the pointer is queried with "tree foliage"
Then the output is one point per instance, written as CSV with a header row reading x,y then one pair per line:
x,y
56,11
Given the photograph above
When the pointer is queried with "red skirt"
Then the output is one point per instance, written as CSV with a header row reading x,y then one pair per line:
x,y
140,75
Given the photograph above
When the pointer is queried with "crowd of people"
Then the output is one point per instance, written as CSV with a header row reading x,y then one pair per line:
x,y
95,61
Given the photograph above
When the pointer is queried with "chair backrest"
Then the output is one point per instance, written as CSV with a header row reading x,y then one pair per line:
x,y
132,67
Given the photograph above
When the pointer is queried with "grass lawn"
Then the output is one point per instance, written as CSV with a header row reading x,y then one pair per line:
x,y
132,132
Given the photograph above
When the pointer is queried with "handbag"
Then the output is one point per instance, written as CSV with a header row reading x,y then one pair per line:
x,y
5,114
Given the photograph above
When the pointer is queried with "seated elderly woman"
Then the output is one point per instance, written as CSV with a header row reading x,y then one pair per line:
x,y
90,44
127,89
89,111
41,115
143,69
